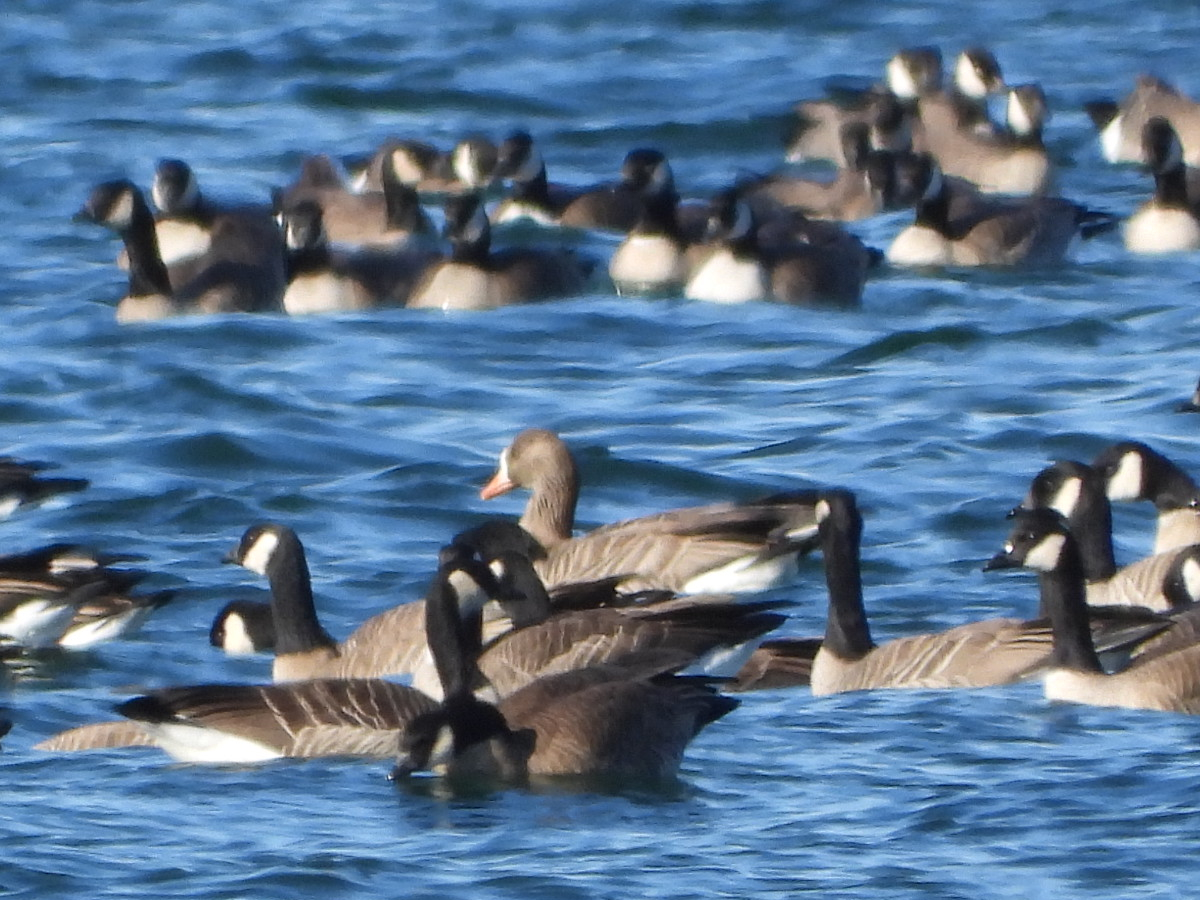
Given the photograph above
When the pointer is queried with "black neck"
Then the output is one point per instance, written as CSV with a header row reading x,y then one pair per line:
x,y
847,634
297,629
1064,600
659,216
147,274
1091,526
307,260
535,190
454,641
403,205
934,212
1170,188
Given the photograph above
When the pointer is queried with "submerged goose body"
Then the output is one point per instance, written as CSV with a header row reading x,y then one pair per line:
x,y
22,483
1168,682
730,546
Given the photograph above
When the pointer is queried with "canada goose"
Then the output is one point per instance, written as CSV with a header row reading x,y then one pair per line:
x,y
416,163
241,723
1133,471
848,197
739,268
1077,492
242,271
627,721
1120,125
186,217
722,547
393,642
325,279
1168,222
914,72
978,654
23,484
476,277
954,228
1040,540
819,127
645,181
590,722
1012,162
531,195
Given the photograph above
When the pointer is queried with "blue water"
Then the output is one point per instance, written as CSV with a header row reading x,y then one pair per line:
x,y
371,434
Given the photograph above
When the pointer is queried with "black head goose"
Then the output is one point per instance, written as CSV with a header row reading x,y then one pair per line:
x,y
350,218
1041,541
243,627
414,162
531,195
728,546
914,72
1134,471
322,278
620,205
23,484
1120,125
477,277
240,271
1169,222
956,228
1077,492
809,266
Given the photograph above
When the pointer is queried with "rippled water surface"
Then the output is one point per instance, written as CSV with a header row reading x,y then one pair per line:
x,y
372,433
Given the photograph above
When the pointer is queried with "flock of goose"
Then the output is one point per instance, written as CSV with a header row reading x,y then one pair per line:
x,y
539,652
982,193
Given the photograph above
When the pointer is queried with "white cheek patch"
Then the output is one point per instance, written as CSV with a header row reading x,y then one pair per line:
x,y
471,597
1045,554
1017,115
258,557
1067,496
1110,140
121,214
968,79
900,80
1190,575
1126,482
236,637
821,511
442,753
467,166
406,167
661,179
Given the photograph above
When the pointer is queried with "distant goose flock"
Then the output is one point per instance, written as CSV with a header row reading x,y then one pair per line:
x,y
537,651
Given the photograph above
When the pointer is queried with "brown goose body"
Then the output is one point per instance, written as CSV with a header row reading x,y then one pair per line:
x,y
705,548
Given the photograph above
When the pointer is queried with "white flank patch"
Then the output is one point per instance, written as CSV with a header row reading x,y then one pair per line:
x,y
1067,497
646,262
1158,230
1126,482
723,278
723,662
318,293
258,557
1045,554
37,622
746,574
1110,140
920,246
97,631
197,744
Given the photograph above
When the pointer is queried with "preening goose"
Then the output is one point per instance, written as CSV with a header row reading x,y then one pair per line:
x,y
978,654
1077,492
1134,471
723,547
1040,540
1168,222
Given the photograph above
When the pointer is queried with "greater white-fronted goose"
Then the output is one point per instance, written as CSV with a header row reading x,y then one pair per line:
x,y
727,546
1134,471
1170,682
1169,222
